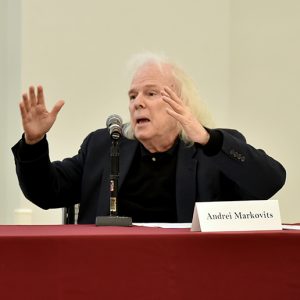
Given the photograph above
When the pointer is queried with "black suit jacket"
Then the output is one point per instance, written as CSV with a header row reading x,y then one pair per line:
x,y
237,172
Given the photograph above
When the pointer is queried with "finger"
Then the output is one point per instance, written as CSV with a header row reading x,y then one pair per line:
x,y
177,107
185,121
172,94
175,115
173,100
40,95
32,96
26,102
23,111
57,107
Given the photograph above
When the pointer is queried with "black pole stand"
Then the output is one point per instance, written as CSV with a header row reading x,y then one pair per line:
x,y
113,219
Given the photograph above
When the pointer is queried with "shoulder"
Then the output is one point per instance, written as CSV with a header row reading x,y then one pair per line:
x,y
231,133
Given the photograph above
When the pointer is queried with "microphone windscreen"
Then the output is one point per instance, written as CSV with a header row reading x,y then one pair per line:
x,y
114,119
114,126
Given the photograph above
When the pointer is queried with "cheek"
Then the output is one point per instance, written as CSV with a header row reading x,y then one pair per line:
x,y
130,106
131,109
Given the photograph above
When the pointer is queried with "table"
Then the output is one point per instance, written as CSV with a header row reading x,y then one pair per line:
x,y
88,262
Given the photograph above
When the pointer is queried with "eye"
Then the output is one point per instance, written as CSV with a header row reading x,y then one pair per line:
x,y
152,93
132,97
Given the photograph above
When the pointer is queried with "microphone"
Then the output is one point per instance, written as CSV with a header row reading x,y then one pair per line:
x,y
114,126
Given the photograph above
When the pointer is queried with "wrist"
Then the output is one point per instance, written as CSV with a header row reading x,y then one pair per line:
x,y
215,142
30,141
203,138
206,137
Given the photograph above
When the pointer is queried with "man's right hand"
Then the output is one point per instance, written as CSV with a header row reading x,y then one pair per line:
x,y
36,119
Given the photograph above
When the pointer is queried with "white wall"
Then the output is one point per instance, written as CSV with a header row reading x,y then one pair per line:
x,y
78,50
10,89
265,90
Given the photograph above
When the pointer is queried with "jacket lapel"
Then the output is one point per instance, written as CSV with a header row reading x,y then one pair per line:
x,y
185,182
127,152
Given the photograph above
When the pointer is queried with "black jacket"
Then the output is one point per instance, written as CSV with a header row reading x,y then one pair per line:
x,y
237,172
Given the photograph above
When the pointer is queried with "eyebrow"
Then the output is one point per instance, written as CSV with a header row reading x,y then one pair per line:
x,y
146,86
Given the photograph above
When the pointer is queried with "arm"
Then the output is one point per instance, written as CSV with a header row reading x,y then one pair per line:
x,y
38,178
46,184
251,172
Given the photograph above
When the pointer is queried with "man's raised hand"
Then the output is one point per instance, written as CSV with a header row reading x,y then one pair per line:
x,y
36,119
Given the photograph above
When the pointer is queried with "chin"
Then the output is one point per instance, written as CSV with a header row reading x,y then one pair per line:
x,y
141,136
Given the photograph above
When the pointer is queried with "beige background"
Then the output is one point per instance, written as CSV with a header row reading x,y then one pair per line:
x,y
244,55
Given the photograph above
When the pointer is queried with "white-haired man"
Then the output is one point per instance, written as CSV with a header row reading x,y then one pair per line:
x,y
169,158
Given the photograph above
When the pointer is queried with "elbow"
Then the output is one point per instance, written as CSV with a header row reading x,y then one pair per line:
x,y
42,203
280,182
274,183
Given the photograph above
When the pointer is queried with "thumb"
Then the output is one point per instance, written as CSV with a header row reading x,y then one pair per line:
x,y
57,107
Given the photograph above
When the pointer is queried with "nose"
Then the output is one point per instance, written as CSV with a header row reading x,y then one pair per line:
x,y
139,102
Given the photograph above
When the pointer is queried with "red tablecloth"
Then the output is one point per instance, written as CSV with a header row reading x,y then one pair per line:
x,y
88,262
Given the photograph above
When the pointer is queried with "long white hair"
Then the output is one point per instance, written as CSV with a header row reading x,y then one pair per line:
x,y
185,87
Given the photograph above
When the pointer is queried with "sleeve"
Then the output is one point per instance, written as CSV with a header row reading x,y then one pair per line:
x,y
46,184
214,144
251,172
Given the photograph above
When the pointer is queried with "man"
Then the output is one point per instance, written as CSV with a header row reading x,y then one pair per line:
x,y
168,159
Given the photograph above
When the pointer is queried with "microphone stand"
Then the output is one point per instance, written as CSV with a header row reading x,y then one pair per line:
x,y
114,176
113,219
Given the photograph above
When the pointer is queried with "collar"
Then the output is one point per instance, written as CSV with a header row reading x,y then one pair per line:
x,y
146,154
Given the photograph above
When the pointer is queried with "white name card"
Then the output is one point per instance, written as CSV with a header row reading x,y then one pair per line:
x,y
236,216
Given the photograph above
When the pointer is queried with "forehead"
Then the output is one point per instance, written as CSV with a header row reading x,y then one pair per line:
x,y
153,74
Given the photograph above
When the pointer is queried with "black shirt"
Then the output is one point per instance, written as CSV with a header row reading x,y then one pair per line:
x,y
148,192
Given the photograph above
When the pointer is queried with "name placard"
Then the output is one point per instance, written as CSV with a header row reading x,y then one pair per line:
x,y
236,216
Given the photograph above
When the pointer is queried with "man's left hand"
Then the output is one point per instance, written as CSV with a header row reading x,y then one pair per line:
x,y
178,110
